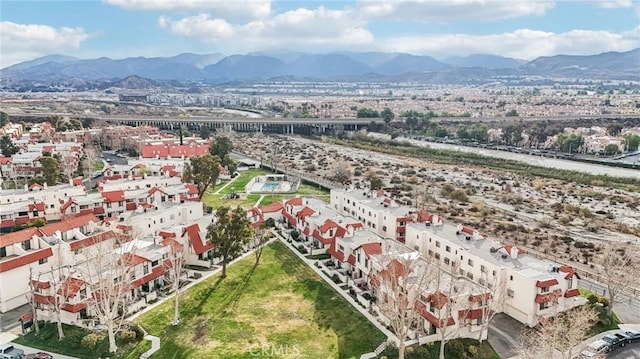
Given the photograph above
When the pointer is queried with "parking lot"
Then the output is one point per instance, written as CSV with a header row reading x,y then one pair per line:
x,y
630,351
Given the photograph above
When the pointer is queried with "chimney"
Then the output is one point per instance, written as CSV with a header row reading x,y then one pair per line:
x,y
514,252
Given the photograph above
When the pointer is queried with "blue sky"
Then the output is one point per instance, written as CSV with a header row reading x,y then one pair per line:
x,y
121,28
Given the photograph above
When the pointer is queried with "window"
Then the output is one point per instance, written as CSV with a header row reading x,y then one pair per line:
x,y
145,269
544,289
154,263
77,251
430,253
26,245
373,225
446,261
384,228
570,283
483,269
510,293
341,248
438,244
544,305
43,260
461,271
470,262
437,255
366,262
470,275
481,281
493,273
510,277
448,249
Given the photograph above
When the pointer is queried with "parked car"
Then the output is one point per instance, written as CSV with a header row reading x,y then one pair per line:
x,y
39,355
8,351
615,340
634,335
595,348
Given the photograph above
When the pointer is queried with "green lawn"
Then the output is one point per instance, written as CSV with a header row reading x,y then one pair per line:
x,y
72,343
280,305
243,179
98,165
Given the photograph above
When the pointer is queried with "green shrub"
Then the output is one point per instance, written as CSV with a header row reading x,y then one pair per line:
x,y
91,340
592,299
126,336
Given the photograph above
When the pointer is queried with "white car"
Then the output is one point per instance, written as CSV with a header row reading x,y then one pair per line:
x,y
595,348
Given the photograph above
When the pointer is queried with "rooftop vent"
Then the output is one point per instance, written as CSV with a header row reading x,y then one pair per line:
x,y
493,250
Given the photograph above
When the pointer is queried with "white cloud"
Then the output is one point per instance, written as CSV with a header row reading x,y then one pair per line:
x,y
613,4
299,29
441,11
22,42
236,9
521,43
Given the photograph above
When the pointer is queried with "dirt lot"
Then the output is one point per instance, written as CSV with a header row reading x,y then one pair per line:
x,y
551,218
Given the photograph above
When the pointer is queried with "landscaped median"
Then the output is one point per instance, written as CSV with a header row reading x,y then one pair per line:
x,y
280,308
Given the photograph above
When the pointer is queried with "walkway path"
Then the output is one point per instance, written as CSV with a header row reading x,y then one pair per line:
x,y
226,185
259,200
155,346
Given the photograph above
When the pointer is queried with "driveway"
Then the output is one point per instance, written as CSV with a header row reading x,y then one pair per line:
x,y
504,333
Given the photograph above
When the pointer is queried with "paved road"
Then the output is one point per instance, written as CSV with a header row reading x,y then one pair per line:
x,y
113,159
630,351
627,305
28,350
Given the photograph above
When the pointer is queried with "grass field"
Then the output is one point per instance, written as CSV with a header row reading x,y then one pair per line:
x,y
248,200
280,305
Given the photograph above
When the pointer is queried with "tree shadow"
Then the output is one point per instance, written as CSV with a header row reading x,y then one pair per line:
x,y
206,295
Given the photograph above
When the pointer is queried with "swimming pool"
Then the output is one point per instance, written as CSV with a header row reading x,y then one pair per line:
x,y
270,186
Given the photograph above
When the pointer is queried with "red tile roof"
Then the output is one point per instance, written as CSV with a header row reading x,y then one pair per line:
x,y
328,224
22,235
303,213
351,260
16,262
43,299
421,308
74,308
8,223
289,217
77,181
297,201
36,206
167,234
478,298
91,240
571,293
272,208
570,272
68,224
131,259
70,287
163,151
113,196
175,245
156,272
438,299
193,231
335,253
546,283
40,284
470,313
371,248
548,297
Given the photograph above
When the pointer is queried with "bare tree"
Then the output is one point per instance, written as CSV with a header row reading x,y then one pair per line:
x,y
176,265
68,164
57,302
492,301
107,275
404,277
448,287
562,334
262,236
31,298
619,270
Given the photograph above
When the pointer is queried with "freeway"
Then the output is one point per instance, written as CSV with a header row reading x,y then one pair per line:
x,y
301,121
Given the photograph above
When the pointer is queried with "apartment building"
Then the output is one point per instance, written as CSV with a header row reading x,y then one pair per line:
x,y
34,248
153,218
528,288
379,212
35,194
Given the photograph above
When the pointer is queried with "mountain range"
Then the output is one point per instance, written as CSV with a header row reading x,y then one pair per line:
x,y
218,68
